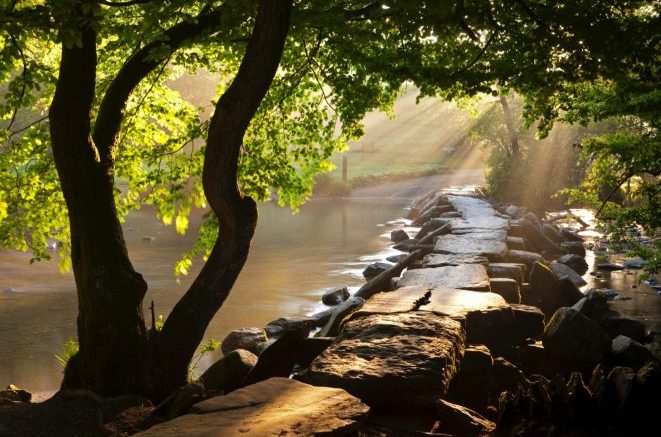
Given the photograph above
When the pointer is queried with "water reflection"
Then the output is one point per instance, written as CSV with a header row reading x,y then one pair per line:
x,y
293,258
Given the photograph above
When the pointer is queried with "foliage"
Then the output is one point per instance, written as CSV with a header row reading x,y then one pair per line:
x,y
210,346
69,349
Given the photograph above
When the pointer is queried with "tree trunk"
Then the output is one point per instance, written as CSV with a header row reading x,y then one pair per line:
x,y
111,329
509,122
237,214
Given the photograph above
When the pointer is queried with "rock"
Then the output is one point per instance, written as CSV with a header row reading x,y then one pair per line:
x,y
275,407
310,348
13,393
472,385
398,235
442,260
467,276
515,211
634,263
630,353
431,226
576,262
614,324
617,393
522,257
507,376
552,233
562,270
532,217
406,245
451,214
593,305
461,421
574,247
507,270
506,287
569,235
250,339
536,239
609,267
548,289
339,313
396,258
375,269
578,406
571,293
68,413
279,358
401,361
528,321
515,243
278,327
228,373
335,296
475,244
572,335
534,359
186,396
431,213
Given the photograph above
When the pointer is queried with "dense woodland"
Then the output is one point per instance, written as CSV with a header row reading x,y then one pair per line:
x,y
91,129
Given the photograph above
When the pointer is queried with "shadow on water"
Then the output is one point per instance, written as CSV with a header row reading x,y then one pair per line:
x,y
293,257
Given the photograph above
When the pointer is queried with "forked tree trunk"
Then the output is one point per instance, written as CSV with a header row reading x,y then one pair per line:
x,y
116,354
511,130
111,329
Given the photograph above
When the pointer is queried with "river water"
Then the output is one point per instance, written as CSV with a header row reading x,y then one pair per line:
x,y
292,259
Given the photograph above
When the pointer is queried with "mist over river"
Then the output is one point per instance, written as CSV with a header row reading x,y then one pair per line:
x,y
292,259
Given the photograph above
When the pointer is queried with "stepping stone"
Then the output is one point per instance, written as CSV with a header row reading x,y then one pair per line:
x,y
514,271
471,244
440,260
401,361
275,407
467,276
508,288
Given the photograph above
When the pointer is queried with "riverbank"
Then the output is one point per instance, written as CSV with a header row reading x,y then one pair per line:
x,y
450,340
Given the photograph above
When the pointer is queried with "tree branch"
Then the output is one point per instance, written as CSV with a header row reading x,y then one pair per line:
x,y
135,69
125,3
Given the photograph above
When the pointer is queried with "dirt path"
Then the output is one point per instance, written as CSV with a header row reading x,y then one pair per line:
x,y
412,188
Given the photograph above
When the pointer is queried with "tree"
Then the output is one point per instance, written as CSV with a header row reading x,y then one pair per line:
x,y
292,77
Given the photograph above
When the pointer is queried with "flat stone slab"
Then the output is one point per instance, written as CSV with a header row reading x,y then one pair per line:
x,y
403,361
275,407
471,244
467,277
445,259
478,214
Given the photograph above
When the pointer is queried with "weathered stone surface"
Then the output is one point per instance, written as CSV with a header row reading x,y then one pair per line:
x,y
551,292
471,244
478,214
507,376
228,373
461,421
16,394
250,339
562,270
472,385
468,277
184,398
279,358
442,260
572,335
609,267
536,239
398,235
630,353
401,361
431,226
523,257
506,287
375,269
274,407
532,217
576,262
507,270
338,314
528,320
335,296
278,327
534,359
310,348
593,305
575,247
552,232
570,291
515,243
570,235
615,324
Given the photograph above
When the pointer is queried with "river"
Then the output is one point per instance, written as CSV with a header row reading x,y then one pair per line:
x,y
292,259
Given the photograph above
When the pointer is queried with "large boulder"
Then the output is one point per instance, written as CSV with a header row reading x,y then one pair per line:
x,y
335,296
275,407
562,270
528,321
507,377
467,276
228,373
546,287
250,339
615,324
375,269
515,243
398,235
552,233
574,247
536,239
572,335
278,327
532,218
461,421
507,270
393,361
472,385
523,257
506,287
577,263
593,305
630,353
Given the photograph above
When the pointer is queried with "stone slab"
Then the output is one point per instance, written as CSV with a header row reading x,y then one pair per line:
x,y
402,361
444,259
471,244
467,277
275,407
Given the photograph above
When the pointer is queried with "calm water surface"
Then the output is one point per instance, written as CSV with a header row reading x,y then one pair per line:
x,y
293,258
